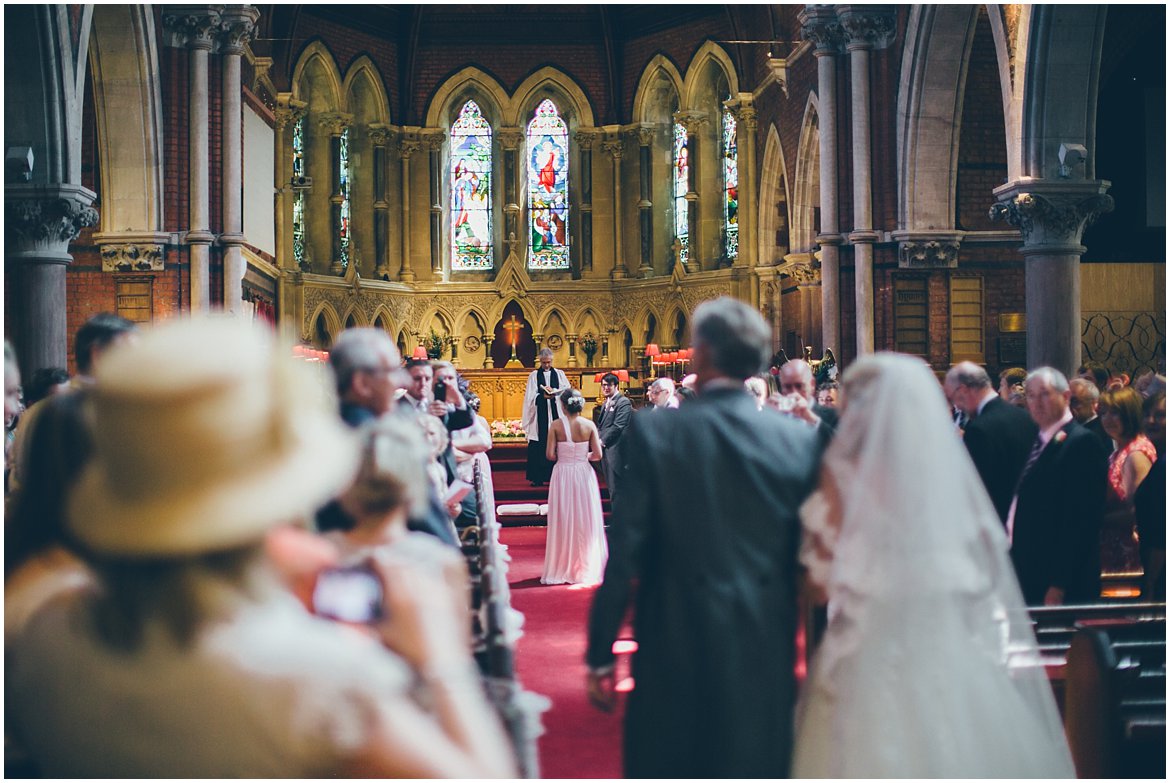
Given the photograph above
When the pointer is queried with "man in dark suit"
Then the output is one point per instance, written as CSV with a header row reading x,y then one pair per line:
x,y
796,382
1055,520
998,435
1083,404
708,529
615,417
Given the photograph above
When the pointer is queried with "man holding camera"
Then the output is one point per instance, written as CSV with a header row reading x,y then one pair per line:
x,y
797,398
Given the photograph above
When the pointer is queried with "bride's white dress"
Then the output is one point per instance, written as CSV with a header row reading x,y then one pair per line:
x,y
928,666
575,548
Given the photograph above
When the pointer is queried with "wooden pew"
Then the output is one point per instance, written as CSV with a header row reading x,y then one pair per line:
x,y
1116,698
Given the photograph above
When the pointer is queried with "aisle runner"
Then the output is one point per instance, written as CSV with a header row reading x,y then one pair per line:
x,y
579,741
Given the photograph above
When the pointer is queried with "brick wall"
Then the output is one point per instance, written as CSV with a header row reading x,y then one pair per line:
x,y
982,145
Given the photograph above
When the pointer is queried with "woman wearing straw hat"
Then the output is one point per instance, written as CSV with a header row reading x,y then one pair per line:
x,y
191,660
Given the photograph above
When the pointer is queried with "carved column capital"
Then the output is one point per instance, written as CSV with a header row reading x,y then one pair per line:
x,y
692,121
1052,216
819,24
510,138
433,140
193,26
928,249
335,122
801,268
132,257
47,218
379,133
407,146
237,24
613,147
288,110
747,116
866,27
585,139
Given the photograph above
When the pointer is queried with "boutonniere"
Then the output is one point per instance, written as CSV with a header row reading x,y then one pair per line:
x,y
1060,436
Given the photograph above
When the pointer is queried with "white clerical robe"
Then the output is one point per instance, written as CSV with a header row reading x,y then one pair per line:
x,y
531,390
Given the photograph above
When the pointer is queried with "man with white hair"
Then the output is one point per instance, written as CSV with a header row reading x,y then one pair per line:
x,y
1055,518
1083,404
660,394
799,387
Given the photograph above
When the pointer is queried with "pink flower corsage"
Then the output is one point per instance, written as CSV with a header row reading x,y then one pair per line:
x,y
1060,436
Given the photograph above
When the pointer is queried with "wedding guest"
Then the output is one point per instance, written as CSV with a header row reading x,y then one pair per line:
x,y
1011,382
827,394
758,388
1149,501
661,394
46,382
1129,464
206,436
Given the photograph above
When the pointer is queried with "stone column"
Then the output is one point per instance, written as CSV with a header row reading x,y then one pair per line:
x,y
335,123
746,124
1052,217
197,27
585,144
510,139
40,222
407,146
801,269
571,339
434,143
238,22
645,136
380,138
819,25
488,362
613,146
866,29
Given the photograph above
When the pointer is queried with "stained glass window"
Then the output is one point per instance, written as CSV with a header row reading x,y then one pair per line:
x,y
343,191
298,230
471,191
730,186
681,175
548,191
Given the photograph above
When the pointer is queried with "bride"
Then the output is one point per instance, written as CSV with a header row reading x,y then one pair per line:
x,y
928,666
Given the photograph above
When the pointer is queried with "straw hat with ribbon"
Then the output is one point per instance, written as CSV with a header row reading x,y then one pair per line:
x,y
206,434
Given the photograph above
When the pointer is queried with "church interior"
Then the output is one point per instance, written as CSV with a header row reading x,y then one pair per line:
x,y
958,182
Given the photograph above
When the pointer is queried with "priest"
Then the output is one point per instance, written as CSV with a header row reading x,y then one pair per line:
x,y
541,407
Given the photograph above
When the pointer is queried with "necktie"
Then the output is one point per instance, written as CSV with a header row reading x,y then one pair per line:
x,y
1033,455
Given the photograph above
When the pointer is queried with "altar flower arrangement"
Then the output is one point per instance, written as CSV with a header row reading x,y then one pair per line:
x,y
507,429
588,344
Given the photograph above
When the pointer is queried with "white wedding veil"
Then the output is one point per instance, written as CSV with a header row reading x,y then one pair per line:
x,y
929,649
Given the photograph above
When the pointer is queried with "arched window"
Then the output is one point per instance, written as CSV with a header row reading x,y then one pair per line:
x,y
471,191
730,187
681,185
343,227
298,224
548,191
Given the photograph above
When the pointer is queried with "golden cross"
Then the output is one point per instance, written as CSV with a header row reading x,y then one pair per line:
x,y
513,327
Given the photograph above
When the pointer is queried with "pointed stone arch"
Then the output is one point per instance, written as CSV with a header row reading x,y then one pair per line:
x,y
709,53
677,326
549,82
660,68
354,317
775,207
316,55
442,109
364,70
322,313
587,319
382,319
806,198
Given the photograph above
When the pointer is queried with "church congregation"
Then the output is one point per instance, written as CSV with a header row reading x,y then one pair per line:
x,y
781,387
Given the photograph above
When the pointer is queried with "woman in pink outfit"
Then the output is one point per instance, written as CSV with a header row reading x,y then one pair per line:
x,y
575,550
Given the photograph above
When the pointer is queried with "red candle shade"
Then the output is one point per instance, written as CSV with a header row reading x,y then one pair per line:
x,y
652,350
623,376
419,352
597,378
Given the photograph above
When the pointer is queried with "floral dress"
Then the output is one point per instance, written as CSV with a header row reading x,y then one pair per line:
x,y
1119,544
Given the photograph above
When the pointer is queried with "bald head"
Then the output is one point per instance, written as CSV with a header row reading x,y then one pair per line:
x,y
966,386
796,376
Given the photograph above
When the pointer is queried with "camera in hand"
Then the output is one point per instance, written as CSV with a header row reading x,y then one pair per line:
x,y
441,391
352,594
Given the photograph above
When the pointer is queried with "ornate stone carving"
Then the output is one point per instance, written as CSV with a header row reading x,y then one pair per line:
x,y
42,221
643,134
471,343
193,26
335,122
928,254
585,139
132,257
748,117
802,273
288,110
613,147
407,147
379,134
555,342
434,140
692,121
510,138
819,24
1054,220
237,24
868,28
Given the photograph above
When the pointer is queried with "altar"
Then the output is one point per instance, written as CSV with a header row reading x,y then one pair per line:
x,y
501,391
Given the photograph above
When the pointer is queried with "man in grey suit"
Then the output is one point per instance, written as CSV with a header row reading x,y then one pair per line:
x,y
708,528
615,417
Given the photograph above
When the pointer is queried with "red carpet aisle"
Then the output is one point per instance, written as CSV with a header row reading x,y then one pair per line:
x,y
579,741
